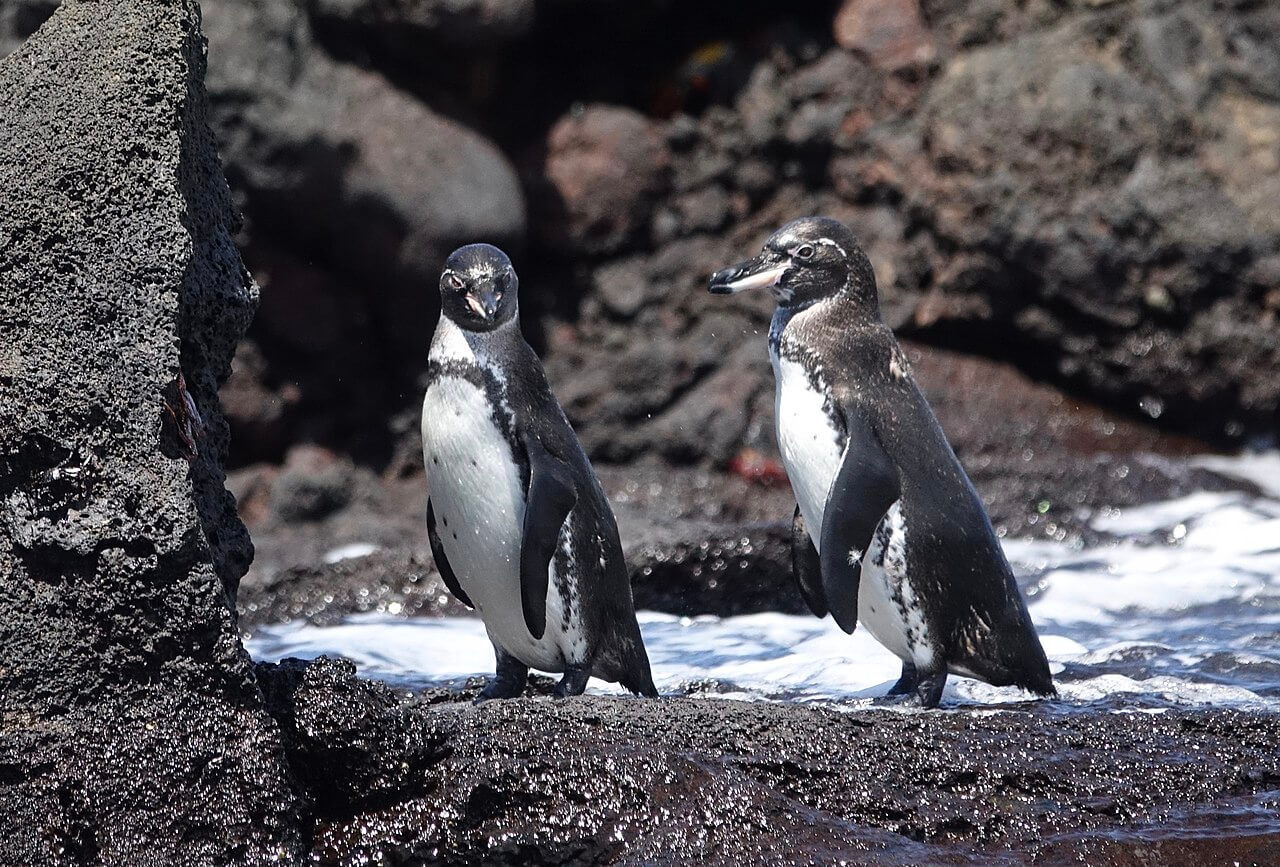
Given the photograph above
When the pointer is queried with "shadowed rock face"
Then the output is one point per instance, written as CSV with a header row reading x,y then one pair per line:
x,y
1084,190
432,780
131,728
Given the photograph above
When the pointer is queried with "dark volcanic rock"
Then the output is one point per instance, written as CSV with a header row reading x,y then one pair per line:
x,y
599,780
1083,190
355,192
1093,193
131,728
464,22
394,582
891,34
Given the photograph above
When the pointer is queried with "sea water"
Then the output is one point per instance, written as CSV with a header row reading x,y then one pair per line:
x,y
1177,605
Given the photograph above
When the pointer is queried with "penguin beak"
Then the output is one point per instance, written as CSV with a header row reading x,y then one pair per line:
x,y
483,302
757,273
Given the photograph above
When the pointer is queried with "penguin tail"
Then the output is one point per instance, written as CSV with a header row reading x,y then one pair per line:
x,y
632,666
1019,662
640,682
1040,682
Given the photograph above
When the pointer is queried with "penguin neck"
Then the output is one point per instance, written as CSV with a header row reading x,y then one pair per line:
x,y
835,312
454,343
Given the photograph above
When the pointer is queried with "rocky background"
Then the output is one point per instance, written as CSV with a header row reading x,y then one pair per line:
x,y
1070,208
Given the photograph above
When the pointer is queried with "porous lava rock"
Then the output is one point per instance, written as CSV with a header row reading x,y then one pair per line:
x,y
132,730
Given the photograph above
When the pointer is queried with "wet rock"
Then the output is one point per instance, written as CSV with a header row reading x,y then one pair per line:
x,y
399,583
538,781
1048,464
605,165
131,728
354,744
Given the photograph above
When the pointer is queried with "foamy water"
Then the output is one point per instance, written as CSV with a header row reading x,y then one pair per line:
x,y
1181,607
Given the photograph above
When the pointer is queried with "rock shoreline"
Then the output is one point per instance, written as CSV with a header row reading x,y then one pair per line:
x,y
432,779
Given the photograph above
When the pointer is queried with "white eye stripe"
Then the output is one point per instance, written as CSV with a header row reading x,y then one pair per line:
x,y
827,242
793,249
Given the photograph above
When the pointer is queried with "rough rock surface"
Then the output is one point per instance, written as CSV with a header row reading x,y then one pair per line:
x,y
605,166
1082,189
355,192
435,780
131,727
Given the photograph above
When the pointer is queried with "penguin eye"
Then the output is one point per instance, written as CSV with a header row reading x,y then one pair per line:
x,y
453,281
804,252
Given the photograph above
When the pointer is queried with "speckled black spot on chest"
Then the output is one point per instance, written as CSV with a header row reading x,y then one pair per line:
x,y
494,394
881,543
789,350
564,583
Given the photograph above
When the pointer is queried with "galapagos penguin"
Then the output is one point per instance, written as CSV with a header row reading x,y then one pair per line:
x,y
519,526
888,529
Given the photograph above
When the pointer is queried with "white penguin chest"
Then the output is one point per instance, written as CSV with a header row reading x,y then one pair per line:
x,y
809,444
478,496
808,441
887,602
476,488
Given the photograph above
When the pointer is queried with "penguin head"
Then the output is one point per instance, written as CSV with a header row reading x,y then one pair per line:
x,y
807,260
478,288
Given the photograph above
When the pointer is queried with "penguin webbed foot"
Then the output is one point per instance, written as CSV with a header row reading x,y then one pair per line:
x,y
907,683
509,682
574,681
928,689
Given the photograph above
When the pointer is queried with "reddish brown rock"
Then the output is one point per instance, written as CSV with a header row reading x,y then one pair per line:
x,y
605,166
889,32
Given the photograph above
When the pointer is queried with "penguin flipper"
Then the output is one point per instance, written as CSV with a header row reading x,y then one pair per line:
x,y
806,566
442,562
863,490
550,498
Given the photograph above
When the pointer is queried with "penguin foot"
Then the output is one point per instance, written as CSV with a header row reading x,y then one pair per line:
x,y
508,683
929,689
906,684
500,688
573,683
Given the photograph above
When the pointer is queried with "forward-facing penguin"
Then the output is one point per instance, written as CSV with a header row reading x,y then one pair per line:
x,y
888,529
519,526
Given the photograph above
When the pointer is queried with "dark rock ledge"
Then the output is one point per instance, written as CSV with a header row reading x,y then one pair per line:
x,y
432,779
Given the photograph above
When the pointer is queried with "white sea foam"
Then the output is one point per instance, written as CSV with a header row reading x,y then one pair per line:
x,y
349,552
1181,608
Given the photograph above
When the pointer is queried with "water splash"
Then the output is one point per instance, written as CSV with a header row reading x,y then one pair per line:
x,y
1180,607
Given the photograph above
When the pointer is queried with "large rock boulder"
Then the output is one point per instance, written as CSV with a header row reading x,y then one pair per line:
x,y
355,192
131,728
604,168
1092,194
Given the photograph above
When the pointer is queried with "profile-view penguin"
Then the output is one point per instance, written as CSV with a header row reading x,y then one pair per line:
x,y
888,529
519,526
